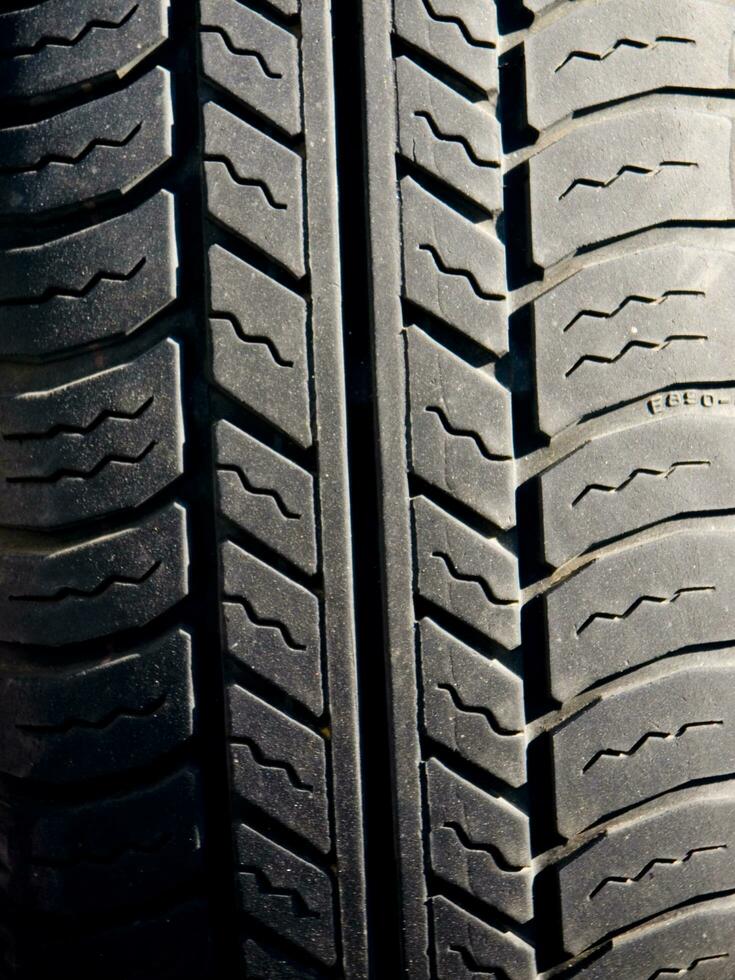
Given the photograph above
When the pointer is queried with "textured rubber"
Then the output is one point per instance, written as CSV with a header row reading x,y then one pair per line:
x,y
367,412
175,567
550,201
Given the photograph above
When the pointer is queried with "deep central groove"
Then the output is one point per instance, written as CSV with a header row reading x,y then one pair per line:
x,y
519,377
199,464
376,750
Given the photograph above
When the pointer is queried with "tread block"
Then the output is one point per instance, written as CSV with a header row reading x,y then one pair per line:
x,y
660,728
267,495
671,852
112,853
94,445
471,577
96,150
259,344
632,325
461,33
472,705
62,43
624,480
254,187
453,268
272,626
254,59
637,604
287,894
279,766
622,48
115,714
613,177
696,943
446,134
479,843
95,284
460,433
92,588
468,948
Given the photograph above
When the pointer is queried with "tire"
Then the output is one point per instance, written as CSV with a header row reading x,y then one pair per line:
x,y
366,525
178,721
550,197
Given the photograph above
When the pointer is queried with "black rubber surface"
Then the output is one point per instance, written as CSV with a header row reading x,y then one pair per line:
x,y
367,528
178,724
550,202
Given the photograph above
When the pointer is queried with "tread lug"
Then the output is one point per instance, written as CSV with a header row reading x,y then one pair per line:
x,y
82,155
95,587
